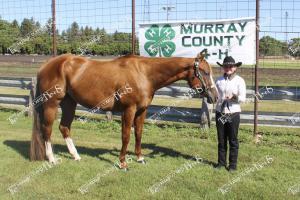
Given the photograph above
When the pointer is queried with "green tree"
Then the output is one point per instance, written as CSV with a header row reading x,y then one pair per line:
x,y
294,47
15,24
48,26
119,36
73,31
8,36
88,32
27,26
269,46
29,37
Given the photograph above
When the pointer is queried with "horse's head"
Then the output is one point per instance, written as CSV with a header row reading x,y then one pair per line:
x,y
200,76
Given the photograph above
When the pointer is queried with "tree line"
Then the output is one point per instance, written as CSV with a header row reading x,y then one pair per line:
x,y
269,46
30,37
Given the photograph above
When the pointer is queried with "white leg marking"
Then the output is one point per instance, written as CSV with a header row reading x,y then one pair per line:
x,y
72,148
49,152
141,159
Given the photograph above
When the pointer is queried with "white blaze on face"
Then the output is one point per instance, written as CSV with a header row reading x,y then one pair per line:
x,y
213,85
212,81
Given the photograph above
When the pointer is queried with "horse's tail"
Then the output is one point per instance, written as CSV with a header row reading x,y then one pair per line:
x,y
37,146
50,75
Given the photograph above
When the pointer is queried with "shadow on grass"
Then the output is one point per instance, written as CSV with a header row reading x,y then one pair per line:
x,y
164,151
22,147
8,110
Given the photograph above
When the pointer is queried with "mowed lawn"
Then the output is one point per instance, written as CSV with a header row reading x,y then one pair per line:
x,y
277,63
280,63
169,150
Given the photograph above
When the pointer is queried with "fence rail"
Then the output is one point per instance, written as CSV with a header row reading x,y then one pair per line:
x,y
174,90
177,114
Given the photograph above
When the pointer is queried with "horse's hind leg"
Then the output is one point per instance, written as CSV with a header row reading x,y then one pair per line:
x,y
49,115
68,107
127,121
138,130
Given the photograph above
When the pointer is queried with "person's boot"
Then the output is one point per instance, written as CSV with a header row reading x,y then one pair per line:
x,y
219,166
232,168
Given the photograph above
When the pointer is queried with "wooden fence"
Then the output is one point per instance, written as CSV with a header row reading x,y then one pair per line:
x,y
202,116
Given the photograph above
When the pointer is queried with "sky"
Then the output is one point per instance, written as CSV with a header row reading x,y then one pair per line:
x,y
277,16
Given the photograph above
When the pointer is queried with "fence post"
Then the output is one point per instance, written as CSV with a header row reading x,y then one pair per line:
x,y
54,50
206,114
31,97
109,116
256,69
133,28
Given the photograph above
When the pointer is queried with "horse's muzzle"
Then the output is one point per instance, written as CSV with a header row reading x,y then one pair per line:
x,y
211,98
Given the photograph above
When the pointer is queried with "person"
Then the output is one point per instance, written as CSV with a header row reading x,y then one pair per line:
x,y
231,92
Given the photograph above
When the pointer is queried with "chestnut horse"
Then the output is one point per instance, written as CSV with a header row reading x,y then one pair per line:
x,y
73,79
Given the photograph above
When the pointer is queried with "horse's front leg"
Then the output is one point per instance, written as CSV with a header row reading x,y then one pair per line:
x,y
138,130
127,121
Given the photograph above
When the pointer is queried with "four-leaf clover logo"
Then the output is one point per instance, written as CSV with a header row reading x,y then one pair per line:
x,y
159,41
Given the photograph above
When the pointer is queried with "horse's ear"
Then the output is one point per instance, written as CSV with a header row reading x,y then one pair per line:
x,y
201,55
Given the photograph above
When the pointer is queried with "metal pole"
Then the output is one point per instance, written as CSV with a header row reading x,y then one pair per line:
x,y
256,68
286,28
133,28
54,50
167,10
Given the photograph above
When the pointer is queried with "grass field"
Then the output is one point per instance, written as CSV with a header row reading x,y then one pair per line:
x,y
279,63
168,149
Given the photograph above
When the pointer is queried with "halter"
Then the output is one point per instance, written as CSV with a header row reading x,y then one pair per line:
x,y
198,74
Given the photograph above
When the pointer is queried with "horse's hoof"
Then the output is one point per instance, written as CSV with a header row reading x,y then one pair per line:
x,y
141,160
123,166
124,169
55,161
77,158
51,160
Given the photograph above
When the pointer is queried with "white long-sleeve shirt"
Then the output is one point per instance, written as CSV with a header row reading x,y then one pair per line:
x,y
227,88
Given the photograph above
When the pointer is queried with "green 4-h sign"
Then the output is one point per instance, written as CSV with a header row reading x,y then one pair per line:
x,y
159,41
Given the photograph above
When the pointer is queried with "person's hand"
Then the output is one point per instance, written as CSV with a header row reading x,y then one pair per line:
x,y
234,97
229,97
